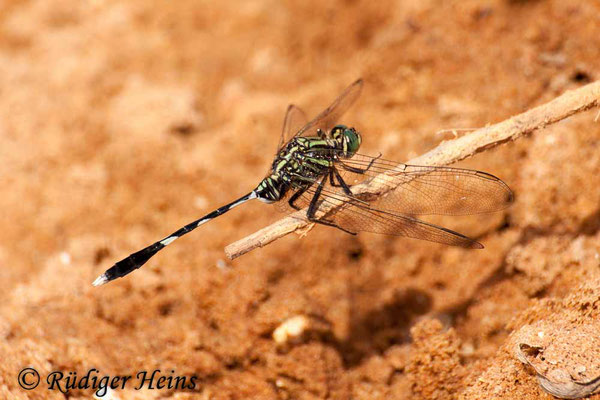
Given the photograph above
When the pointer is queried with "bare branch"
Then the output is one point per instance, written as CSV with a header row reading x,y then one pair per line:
x,y
448,152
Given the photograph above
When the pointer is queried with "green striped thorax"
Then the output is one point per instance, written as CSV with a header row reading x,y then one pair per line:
x,y
304,159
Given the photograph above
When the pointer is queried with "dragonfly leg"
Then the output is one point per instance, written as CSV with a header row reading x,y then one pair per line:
x,y
345,186
360,170
321,133
312,209
313,202
335,172
296,196
332,181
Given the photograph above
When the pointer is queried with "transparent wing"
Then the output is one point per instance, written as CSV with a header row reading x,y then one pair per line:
x,y
404,191
292,126
355,215
294,120
327,119
425,190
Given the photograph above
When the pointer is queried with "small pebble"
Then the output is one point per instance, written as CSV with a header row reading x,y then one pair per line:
x,y
290,329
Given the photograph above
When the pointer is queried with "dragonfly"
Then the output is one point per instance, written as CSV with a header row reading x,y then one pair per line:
x,y
317,167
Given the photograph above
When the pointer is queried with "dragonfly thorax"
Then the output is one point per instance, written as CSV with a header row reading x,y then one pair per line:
x,y
304,159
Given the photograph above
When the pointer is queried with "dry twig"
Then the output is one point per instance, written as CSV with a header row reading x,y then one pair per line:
x,y
448,152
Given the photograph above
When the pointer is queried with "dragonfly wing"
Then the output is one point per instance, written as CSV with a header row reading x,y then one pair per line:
x,y
294,120
359,216
327,119
426,190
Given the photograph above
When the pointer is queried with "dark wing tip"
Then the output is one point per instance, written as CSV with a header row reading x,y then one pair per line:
x,y
510,196
358,83
475,245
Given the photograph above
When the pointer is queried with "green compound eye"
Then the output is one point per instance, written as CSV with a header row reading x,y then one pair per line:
x,y
349,137
353,140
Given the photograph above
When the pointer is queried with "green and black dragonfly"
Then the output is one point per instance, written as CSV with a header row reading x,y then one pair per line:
x,y
317,166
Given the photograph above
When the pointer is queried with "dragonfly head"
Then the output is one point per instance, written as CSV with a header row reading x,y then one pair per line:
x,y
349,138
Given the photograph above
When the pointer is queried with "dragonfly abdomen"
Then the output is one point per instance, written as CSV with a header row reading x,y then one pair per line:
x,y
271,189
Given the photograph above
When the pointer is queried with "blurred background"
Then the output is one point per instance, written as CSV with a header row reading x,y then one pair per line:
x,y
121,121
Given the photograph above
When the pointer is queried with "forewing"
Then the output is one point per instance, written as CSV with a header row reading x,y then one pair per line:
x,y
425,190
328,118
294,120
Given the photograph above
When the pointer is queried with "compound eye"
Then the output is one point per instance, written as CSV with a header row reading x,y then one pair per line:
x,y
353,139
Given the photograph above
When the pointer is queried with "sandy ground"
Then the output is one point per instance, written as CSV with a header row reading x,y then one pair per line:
x,y
122,121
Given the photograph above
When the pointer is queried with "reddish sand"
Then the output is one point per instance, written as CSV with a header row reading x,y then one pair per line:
x,y
122,121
